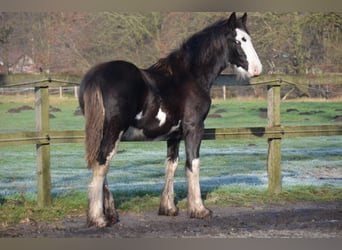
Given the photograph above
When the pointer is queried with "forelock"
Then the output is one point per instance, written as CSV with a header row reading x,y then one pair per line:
x,y
240,25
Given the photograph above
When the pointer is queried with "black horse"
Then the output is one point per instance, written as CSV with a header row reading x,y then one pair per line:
x,y
169,100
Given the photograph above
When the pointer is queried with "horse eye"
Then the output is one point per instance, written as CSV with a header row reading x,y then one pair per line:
x,y
244,39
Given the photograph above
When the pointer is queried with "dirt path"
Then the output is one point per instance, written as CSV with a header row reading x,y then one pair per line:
x,y
308,220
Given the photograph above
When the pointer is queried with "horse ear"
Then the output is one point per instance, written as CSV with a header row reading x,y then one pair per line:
x,y
244,18
232,21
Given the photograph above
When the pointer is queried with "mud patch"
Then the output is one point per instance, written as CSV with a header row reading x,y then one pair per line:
x,y
214,116
300,220
263,113
219,111
326,173
78,112
338,118
292,110
313,112
54,109
18,110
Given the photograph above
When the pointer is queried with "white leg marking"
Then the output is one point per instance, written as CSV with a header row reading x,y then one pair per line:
x,y
95,196
194,191
161,116
167,200
95,189
111,154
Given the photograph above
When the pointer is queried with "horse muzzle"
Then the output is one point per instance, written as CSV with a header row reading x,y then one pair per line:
x,y
255,69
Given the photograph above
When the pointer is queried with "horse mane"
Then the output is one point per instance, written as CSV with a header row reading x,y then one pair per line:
x,y
163,65
196,52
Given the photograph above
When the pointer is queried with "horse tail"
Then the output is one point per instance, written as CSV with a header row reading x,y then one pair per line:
x,y
93,109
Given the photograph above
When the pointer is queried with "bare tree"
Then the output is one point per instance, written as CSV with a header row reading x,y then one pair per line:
x,y
72,42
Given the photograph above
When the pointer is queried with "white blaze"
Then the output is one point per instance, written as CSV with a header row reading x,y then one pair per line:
x,y
254,64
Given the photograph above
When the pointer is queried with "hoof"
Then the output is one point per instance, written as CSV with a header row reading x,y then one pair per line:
x,y
168,211
204,213
99,222
111,217
110,214
103,221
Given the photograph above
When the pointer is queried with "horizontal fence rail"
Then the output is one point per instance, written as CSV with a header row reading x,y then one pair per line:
x,y
273,132
77,136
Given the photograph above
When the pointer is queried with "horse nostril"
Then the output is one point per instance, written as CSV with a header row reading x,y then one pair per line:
x,y
256,70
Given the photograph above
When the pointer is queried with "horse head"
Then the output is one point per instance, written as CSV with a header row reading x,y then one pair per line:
x,y
242,54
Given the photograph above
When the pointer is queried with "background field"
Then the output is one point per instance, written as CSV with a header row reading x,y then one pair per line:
x,y
138,167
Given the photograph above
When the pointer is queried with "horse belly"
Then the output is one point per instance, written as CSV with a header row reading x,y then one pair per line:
x,y
156,133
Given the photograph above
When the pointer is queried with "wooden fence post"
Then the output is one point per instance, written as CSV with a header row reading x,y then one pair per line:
x,y
224,92
43,149
274,144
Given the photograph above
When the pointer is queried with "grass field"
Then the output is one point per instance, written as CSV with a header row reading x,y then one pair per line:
x,y
230,113
231,170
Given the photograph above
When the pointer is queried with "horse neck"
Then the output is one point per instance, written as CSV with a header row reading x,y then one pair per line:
x,y
205,64
209,69
203,67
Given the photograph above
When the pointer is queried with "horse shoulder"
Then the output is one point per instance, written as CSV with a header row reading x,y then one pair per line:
x,y
197,99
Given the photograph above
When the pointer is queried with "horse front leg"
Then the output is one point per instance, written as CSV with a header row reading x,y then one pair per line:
x,y
167,205
193,137
196,209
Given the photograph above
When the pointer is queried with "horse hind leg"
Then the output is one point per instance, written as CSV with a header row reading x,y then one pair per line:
x,y
167,205
110,213
96,197
101,208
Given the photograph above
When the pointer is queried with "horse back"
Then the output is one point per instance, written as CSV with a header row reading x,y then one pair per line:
x,y
122,87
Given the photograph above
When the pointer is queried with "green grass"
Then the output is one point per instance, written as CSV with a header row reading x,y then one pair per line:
x,y
15,209
25,120
237,196
246,113
138,167
238,113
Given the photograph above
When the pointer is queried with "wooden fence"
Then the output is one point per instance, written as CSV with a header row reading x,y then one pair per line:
x,y
273,132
